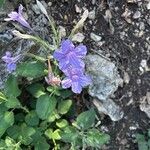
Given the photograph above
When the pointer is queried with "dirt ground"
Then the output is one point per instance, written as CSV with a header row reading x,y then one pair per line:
x,y
125,39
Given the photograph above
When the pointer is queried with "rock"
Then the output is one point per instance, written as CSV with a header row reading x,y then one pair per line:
x,y
62,31
79,37
137,15
148,6
92,15
106,80
95,37
36,9
78,10
109,108
145,104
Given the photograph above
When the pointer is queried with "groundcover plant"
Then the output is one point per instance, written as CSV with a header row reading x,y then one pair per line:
x,y
36,106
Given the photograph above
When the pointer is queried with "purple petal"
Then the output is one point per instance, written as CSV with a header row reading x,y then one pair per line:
x,y
76,87
81,51
8,54
64,64
22,21
14,16
20,9
58,55
66,45
66,83
76,62
11,67
85,80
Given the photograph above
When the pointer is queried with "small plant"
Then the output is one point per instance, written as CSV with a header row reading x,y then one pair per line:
x,y
36,107
143,141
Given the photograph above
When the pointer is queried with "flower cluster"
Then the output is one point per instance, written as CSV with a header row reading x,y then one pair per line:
x,y
17,16
10,61
71,63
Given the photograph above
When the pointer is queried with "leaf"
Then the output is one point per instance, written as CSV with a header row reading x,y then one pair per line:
x,y
86,119
64,106
32,69
14,132
12,102
61,123
70,135
26,134
1,3
36,90
45,106
2,98
32,119
53,135
7,120
142,144
41,144
11,87
96,139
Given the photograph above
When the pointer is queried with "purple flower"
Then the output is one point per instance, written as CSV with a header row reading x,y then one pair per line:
x,y
17,16
10,61
69,55
75,79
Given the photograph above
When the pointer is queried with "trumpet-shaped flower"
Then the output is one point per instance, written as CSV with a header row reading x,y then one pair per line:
x,y
17,16
75,79
10,61
69,55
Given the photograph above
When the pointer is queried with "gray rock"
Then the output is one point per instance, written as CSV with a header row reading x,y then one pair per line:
x,y
79,37
137,15
92,15
95,37
106,80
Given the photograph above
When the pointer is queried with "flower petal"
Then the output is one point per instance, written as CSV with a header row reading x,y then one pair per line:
x,y
81,51
58,55
11,67
23,22
85,80
76,62
76,87
63,64
20,9
66,45
66,83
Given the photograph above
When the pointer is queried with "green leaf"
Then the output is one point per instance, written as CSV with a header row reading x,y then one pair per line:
x,y
11,87
53,135
96,139
64,106
86,119
36,90
41,144
45,106
31,69
11,144
70,135
7,120
2,98
26,134
142,144
53,116
12,102
61,123
1,3
14,132
32,119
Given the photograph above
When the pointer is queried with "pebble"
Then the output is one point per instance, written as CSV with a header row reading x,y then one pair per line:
x,y
91,15
78,10
137,15
62,31
79,37
95,37
142,26
148,6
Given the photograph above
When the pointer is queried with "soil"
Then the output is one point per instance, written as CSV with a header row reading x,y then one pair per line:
x,y
127,46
